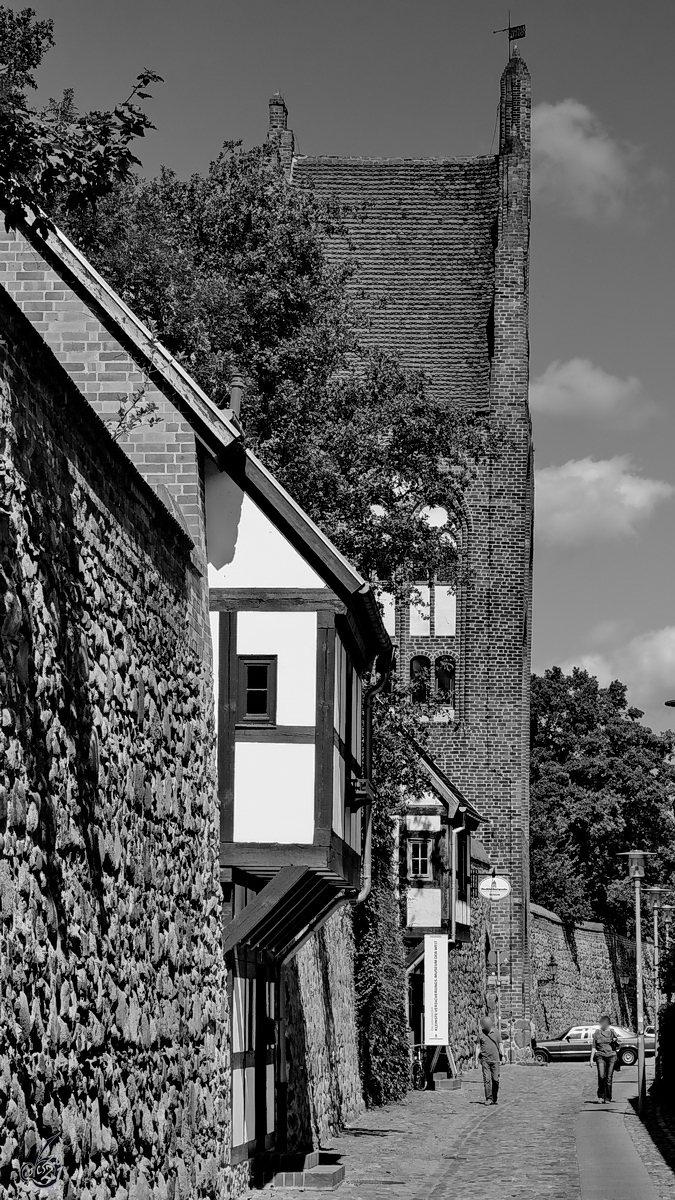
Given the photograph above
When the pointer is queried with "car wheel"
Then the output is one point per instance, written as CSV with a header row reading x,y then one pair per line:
x,y
541,1056
628,1057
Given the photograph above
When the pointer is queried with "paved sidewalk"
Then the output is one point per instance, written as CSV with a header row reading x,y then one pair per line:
x,y
542,1142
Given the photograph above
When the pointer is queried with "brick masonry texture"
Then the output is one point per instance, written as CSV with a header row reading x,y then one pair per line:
x,y
104,372
324,1085
113,1024
423,235
445,245
579,974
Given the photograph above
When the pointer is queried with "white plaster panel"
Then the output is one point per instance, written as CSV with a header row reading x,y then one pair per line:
x,y
244,548
424,907
249,1104
340,707
270,1097
292,637
422,824
388,612
273,792
215,651
425,798
239,1023
420,613
338,792
445,611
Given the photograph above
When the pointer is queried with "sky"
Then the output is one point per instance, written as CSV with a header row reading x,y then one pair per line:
x,y
383,77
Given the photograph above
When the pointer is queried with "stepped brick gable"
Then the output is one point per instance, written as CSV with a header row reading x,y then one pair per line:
x,y
443,245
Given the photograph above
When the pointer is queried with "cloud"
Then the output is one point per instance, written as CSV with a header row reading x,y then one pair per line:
x,y
578,166
585,501
577,388
646,663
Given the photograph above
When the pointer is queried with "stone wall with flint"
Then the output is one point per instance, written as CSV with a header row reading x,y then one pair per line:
x,y
324,1085
113,1025
584,971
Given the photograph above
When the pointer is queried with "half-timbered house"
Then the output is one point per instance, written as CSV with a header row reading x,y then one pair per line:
x,y
294,631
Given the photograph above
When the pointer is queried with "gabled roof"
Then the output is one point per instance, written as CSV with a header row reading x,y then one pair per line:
x,y
218,433
450,795
313,545
423,234
213,426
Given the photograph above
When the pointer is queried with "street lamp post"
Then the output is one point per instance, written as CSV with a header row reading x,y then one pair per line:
x,y
636,870
656,893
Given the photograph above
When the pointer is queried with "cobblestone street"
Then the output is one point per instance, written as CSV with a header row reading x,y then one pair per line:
x,y
546,1139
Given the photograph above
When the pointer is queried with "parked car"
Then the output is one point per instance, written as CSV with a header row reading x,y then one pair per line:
x,y
575,1044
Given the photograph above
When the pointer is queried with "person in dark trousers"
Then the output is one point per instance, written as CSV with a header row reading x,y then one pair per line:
x,y
603,1053
489,1051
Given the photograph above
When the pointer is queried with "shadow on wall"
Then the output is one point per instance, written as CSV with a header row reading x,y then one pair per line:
x,y
107,809
581,972
324,1085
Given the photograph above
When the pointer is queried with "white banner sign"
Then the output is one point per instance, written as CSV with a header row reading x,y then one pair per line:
x,y
494,887
436,990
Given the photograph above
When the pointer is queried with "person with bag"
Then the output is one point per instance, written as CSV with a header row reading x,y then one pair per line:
x,y
603,1053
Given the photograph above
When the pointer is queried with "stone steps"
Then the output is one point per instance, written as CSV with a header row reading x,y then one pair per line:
x,y
308,1171
324,1177
442,1082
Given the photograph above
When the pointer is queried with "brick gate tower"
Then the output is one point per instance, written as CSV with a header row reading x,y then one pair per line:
x,y
442,246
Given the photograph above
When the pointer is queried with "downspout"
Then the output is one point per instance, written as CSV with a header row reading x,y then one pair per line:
x,y
369,696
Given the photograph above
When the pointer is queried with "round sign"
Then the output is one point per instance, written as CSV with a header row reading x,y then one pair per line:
x,y
494,887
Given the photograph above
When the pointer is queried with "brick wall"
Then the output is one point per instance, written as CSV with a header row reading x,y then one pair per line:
x,y
113,1022
443,246
487,753
104,372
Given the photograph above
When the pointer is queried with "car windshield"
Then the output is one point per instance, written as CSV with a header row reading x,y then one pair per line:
x,y
559,1036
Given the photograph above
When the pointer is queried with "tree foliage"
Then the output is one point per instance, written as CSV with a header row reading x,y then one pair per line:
x,y
601,783
57,155
230,269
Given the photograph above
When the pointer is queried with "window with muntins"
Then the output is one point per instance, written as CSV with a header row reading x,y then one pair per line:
x,y
419,858
433,611
257,693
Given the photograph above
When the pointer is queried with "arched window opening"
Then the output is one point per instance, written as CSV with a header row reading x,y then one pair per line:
x,y
420,676
445,680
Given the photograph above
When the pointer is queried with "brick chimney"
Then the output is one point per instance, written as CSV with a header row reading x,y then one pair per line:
x,y
279,133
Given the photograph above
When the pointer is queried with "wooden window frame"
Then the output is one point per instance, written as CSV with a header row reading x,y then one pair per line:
x,y
269,717
428,842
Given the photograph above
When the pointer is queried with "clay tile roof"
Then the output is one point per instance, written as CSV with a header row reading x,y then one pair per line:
x,y
423,233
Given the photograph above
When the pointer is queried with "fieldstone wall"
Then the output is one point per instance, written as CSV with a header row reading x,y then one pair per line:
x,y
113,1022
581,973
467,985
324,1085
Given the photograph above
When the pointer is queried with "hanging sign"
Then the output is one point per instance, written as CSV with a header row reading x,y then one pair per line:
x,y
436,990
494,887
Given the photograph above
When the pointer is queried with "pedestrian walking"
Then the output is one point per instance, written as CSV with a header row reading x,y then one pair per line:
x,y
603,1053
489,1051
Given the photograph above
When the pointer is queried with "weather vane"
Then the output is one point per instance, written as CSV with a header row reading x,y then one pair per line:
x,y
514,32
